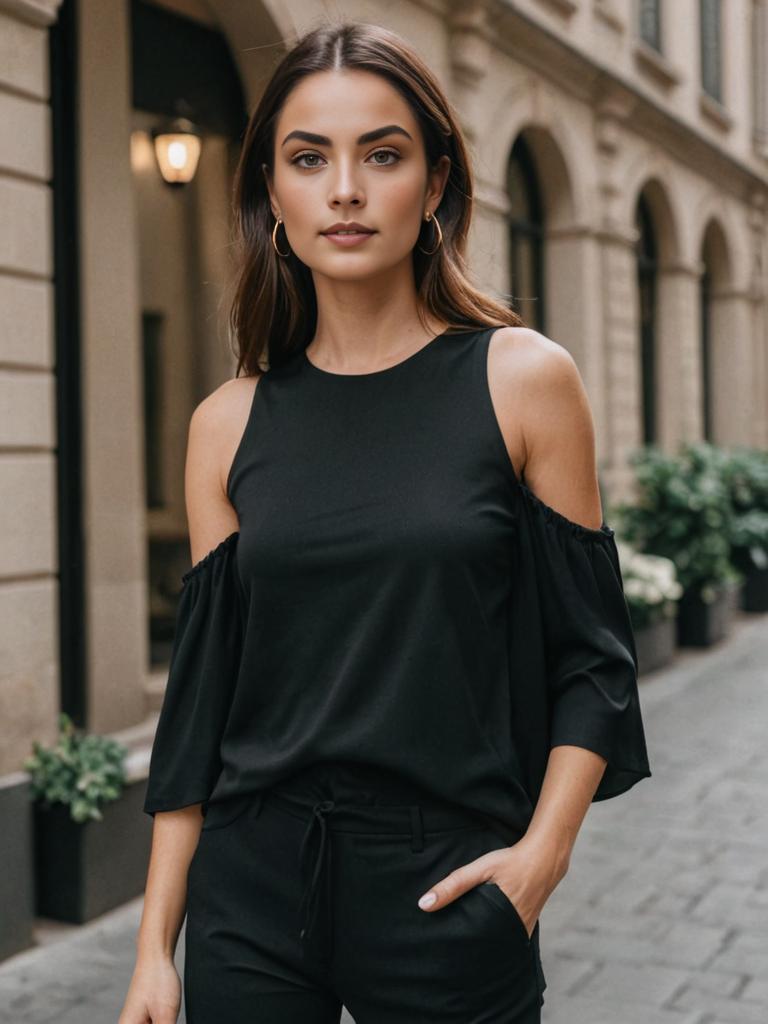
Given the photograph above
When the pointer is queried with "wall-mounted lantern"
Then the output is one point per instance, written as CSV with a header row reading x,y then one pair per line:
x,y
177,150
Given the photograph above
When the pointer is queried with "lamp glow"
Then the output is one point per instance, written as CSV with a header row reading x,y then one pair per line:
x,y
177,150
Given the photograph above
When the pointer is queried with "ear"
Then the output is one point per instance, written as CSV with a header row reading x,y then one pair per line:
x,y
268,180
438,178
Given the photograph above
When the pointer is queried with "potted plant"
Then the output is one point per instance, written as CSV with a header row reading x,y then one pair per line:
x,y
652,590
683,512
746,471
90,854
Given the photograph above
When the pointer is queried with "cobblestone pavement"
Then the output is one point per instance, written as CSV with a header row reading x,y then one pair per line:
x,y
661,919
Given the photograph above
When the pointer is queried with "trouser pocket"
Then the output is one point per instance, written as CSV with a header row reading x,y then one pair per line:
x,y
492,891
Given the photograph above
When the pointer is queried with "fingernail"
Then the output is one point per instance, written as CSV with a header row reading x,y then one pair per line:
x,y
427,900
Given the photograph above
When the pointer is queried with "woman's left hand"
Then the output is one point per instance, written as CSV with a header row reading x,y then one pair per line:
x,y
527,873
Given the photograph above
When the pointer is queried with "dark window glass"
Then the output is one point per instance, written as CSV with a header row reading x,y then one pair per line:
x,y
709,14
650,22
647,273
152,329
705,300
760,72
526,237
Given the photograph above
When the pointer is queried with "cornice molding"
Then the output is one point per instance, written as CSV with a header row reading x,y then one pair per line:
x,y
565,8
470,44
606,12
655,65
692,269
715,111
532,45
40,13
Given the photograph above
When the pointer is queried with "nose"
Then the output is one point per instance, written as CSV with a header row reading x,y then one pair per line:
x,y
346,186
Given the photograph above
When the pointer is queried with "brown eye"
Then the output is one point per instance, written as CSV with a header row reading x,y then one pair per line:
x,y
386,152
305,156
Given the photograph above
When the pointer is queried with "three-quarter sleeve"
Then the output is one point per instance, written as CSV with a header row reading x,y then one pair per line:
x,y
590,654
205,657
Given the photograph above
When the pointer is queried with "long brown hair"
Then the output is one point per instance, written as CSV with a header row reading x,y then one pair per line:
x,y
273,312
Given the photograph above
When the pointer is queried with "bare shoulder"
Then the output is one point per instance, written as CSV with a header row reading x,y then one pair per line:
x,y
539,374
224,405
545,415
526,358
219,421
527,371
215,430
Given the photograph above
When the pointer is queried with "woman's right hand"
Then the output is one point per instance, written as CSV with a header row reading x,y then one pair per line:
x,y
154,995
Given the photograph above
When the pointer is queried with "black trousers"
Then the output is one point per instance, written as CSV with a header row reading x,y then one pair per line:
x,y
303,898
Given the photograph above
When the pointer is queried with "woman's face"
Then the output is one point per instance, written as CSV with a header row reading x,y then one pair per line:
x,y
327,171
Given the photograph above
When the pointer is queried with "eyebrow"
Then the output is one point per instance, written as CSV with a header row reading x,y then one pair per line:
x,y
372,136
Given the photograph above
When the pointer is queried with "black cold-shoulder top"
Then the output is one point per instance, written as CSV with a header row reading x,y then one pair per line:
x,y
395,602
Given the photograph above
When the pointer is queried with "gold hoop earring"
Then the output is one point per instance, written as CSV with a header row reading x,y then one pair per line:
x,y
274,239
431,217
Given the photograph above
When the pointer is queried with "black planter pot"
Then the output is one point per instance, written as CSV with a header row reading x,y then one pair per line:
x,y
700,624
655,645
84,870
754,594
16,878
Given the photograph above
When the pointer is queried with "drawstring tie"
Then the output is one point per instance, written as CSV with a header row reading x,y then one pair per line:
x,y
310,900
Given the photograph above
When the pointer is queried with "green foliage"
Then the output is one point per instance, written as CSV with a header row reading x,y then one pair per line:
x,y
746,476
684,512
80,770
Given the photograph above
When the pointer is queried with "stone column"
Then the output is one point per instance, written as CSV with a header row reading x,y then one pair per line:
x,y
733,366
758,222
618,410
114,503
621,360
678,354
29,559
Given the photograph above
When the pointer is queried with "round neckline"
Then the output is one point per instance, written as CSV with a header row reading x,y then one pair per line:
x,y
372,374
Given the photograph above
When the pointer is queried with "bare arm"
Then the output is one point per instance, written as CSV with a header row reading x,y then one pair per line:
x,y
154,995
561,469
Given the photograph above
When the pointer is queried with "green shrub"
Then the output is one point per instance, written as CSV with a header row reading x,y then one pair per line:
x,y
80,770
684,512
746,476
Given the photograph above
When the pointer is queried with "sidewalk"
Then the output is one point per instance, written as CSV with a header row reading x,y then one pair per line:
x,y
661,919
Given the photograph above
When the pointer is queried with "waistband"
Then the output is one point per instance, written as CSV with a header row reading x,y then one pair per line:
x,y
356,813
415,817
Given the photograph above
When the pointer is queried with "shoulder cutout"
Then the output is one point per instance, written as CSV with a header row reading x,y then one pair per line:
x,y
213,555
509,350
241,396
559,436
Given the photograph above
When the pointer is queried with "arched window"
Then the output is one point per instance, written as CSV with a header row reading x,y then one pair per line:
x,y
647,272
526,237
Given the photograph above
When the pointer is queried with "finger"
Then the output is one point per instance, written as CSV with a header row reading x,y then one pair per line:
x,y
449,888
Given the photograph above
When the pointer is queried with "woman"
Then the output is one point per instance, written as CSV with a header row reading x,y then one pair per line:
x,y
400,673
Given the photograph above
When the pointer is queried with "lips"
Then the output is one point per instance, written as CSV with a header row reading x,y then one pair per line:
x,y
349,228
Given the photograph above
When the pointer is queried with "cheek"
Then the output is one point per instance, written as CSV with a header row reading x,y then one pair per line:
x,y
401,197
297,198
